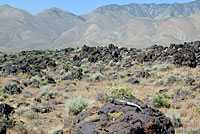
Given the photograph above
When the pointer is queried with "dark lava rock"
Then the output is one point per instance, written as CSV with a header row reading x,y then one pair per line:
x,y
38,100
23,104
58,132
130,121
163,90
12,89
133,81
2,129
43,110
143,74
51,80
75,75
5,109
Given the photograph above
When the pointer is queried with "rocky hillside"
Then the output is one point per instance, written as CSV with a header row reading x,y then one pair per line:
x,y
132,25
101,90
157,11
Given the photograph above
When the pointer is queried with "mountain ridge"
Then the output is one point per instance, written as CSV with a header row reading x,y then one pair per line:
x,y
55,28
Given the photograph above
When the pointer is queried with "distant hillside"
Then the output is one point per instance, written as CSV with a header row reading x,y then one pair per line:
x,y
156,11
132,25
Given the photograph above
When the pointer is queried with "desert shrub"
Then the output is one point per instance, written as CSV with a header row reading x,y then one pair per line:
x,y
172,78
27,112
155,75
76,105
65,96
97,77
36,78
44,82
31,115
78,50
117,64
102,96
84,60
162,67
46,91
147,69
175,119
20,74
62,71
160,82
37,122
86,70
160,100
22,109
193,131
127,58
121,92
111,63
58,115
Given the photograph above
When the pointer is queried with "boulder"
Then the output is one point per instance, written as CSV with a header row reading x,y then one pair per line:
x,y
118,118
11,89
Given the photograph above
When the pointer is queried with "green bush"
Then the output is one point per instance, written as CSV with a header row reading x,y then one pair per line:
x,y
96,77
175,119
76,105
102,97
121,92
111,63
162,67
159,82
36,78
20,74
27,112
86,70
45,90
172,78
22,109
160,100
31,115
127,58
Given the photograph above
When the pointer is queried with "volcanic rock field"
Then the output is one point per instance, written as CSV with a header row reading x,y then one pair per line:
x,y
101,90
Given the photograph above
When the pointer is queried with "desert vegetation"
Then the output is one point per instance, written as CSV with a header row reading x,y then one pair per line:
x,y
44,91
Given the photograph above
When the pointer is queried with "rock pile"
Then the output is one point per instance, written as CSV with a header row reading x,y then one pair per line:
x,y
33,62
120,119
5,111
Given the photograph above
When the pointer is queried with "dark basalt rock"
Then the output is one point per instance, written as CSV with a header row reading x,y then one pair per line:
x,y
5,109
131,121
43,110
11,89
133,81
23,104
51,80
75,75
143,74
2,129
2,59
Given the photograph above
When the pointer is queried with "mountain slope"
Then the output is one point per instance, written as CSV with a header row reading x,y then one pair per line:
x,y
132,25
20,29
156,11
58,20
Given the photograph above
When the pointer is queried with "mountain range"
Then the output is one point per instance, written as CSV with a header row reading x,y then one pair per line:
x,y
132,25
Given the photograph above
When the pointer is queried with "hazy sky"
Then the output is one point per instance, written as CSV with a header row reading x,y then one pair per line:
x,y
75,6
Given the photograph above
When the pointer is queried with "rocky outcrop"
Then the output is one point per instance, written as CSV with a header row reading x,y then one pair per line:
x,y
120,119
